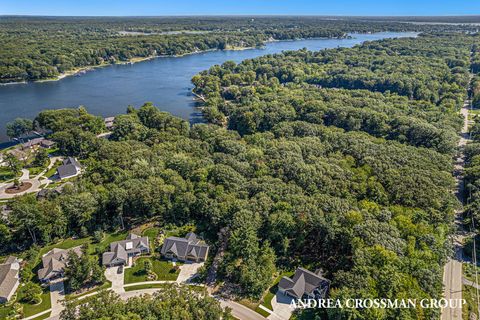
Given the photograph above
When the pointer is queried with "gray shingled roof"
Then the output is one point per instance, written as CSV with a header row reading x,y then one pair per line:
x,y
70,167
9,275
119,250
184,247
303,282
54,261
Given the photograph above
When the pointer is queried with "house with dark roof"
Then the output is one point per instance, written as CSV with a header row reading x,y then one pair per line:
x,y
9,278
190,248
121,251
70,168
54,262
304,282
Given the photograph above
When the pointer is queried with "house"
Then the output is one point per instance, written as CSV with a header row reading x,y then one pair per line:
x,y
190,248
54,262
32,143
70,168
47,143
304,282
121,251
52,192
9,278
109,122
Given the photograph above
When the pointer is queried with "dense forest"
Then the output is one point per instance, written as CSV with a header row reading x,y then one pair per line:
x,y
36,48
339,159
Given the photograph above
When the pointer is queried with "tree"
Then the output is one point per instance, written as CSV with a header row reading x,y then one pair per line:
x,y
31,293
13,164
147,266
171,302
41,158
19,127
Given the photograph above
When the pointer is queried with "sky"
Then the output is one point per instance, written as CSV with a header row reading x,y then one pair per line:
x,y
238,7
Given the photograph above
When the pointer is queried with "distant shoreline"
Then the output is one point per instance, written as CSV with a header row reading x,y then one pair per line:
x,y
134,60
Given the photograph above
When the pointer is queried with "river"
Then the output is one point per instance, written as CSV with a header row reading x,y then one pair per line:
x,y
164,81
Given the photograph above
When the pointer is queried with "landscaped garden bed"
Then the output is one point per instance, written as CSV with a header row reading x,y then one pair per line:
x,y
17,189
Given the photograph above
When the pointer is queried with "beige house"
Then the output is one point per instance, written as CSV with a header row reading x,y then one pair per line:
x,y
54,262
9,278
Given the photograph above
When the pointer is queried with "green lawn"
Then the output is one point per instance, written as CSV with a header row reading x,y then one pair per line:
x,y
53,169
72,296
262,312
5,311
163,269
35,170
152,234
147,286
6,174
31,309
103,245
42,317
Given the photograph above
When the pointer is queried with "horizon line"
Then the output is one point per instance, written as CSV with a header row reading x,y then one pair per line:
x,y
246,15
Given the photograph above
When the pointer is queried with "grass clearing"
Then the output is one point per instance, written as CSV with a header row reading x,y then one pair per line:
x,y
147,286
107,284
164,270
262,312
43,316
51,172
32,309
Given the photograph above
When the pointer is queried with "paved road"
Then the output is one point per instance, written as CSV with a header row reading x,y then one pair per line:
x,y
452,275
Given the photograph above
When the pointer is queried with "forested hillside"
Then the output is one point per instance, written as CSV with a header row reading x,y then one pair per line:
x,y
36,48
302,165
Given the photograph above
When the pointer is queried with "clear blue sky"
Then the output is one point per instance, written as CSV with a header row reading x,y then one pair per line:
x,y
238,7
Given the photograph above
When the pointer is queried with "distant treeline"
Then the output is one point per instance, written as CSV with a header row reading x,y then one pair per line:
x,y
35,48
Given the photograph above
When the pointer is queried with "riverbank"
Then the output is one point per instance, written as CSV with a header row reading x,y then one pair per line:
x,y
81,70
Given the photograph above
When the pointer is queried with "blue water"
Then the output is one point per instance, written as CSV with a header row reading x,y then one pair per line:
x,y
164,81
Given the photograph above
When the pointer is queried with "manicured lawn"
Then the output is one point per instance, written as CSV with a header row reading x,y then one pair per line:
x,y
152,234
5,311
272,291
147,286
163,269
44,316
31,309
35,170
106,285
262,312
103,245
65,244
53,169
